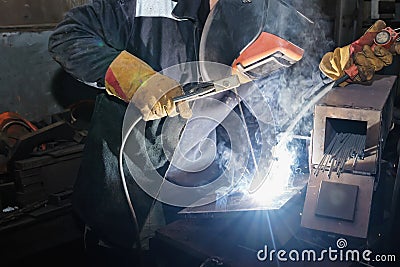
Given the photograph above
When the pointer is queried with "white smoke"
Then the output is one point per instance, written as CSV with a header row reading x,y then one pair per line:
x,y
287,92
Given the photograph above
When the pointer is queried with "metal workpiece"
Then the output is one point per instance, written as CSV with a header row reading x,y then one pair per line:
x,y
243,202
360,96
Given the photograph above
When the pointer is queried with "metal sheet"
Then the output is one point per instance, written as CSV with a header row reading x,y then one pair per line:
x,y
337,200
361,96
359,226
240,202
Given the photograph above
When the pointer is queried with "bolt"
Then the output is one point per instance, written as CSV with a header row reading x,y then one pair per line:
x,y
226,83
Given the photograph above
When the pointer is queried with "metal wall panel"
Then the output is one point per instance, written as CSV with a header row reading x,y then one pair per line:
x,y
31,82
37,13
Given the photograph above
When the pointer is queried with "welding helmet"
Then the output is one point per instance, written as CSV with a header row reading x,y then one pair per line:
x,y
255,37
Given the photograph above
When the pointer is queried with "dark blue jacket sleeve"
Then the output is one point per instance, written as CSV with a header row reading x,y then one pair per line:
x,y
91,36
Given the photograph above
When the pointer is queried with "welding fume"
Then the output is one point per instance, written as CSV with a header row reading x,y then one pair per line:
x,y
199,100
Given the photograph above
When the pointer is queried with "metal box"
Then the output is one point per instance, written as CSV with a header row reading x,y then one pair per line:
x,y
342,204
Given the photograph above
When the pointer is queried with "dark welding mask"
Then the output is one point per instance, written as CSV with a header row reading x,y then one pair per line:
x,y
256,37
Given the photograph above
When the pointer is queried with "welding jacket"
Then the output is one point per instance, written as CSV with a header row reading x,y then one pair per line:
x,y
160,32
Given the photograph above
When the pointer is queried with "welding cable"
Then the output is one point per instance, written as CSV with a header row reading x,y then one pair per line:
x,y
284,136
253,155
126,191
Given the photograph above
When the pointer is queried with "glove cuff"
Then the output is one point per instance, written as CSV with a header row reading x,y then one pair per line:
x,y
125,75
334,63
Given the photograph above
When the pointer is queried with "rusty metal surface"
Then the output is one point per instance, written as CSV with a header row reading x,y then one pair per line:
x,y
360,96
359,226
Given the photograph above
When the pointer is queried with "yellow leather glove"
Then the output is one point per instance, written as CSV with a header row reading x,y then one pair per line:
x,y
368,62
357,59
154,98
130,78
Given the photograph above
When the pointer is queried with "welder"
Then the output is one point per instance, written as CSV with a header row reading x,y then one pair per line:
x,y
116,46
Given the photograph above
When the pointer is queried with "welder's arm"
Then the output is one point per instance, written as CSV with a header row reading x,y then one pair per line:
x,y
357,60
88,39
130,78
91,41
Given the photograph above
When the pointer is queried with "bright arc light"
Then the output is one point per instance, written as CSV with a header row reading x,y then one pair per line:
x,y
278,179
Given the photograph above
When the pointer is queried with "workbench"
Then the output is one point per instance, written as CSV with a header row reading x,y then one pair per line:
x,y
235,239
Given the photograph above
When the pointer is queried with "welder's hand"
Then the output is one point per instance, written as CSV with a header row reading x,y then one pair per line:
x,y
368,62
357,58
130,78
154,98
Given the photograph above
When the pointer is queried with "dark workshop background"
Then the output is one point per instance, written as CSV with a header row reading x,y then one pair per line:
x,y
33,85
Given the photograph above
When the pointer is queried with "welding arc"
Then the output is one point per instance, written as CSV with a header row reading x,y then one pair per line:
x,y
342,148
